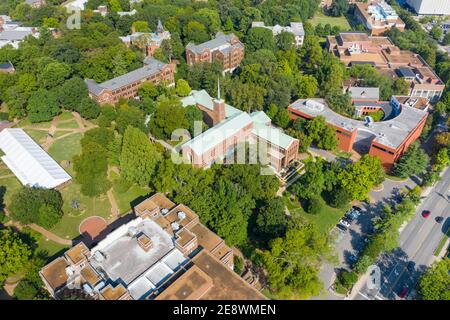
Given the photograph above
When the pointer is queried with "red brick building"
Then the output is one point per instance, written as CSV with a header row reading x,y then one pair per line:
x,y
231,127
378,17
127,85
226,49
387,140
358,48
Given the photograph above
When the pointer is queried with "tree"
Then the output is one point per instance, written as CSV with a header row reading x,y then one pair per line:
x,y
36,205
314,205
88,108
196,32
71,93
446,40
285,41
25,290
14,254
339,198
338,8
306,86
413,161
441,160
323,135
435,282
91,169
54,74
42,106
183,88
293,262
436,32
129,116
312,182
148,90
271,221
141,26
360,177
139,157
259,38
169,116
282,118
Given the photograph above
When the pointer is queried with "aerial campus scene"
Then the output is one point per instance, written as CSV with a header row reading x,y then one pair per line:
x,y
224,150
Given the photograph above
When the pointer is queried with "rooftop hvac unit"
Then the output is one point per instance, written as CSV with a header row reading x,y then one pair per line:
x,y
70,271
164,211
314,105
98,256
175,226
133,232
99,286
181,215
369,121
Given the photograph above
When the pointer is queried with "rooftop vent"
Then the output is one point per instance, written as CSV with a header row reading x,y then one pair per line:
x,y
70,271
314,105
181,215
133,232
175,226
98,256
164,211
368,121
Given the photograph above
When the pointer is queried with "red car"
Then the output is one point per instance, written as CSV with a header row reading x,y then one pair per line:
x,y
426,213
402,294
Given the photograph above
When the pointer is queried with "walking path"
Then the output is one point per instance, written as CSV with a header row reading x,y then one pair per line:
x,y
115,211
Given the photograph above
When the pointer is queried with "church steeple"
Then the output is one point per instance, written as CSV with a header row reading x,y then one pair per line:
x,y
219,106
160,27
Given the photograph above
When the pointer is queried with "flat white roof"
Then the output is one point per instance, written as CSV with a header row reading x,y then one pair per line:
x,y
29,162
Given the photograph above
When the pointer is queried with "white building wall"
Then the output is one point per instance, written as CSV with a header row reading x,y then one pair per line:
x,y
432,7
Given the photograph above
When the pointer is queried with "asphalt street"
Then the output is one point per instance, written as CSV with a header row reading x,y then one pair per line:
x,y
418,241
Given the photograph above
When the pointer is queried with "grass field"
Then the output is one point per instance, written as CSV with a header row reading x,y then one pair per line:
x,y
66,115
341,22
124,199
97,206
37,135
71,124
324,221
66,148
12,185
27,123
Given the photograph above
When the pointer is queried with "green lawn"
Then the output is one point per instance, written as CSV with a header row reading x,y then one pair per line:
x,y
60,133
52,248
71,124
124,199
324,221
341,22
37,135
27,123
12,186
66,148
66,115
68,226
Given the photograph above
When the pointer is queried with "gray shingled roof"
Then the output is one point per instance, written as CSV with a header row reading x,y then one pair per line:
x,y
221,40
14,35
151,67
370,93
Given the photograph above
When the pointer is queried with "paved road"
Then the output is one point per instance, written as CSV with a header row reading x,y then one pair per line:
x,y
418,241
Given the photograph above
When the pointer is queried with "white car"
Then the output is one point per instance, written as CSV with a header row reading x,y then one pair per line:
x,y
344,223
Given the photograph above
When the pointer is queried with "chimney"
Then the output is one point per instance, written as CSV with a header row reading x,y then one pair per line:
x,y
145,242
219,106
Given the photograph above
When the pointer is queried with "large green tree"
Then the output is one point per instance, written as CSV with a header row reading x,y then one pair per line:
x,y
14,254
413,161
434,284
139,157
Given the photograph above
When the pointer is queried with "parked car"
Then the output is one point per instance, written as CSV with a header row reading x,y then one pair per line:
x,y
344,223
439,219
403,292
410,266
357,208
426,213
341,227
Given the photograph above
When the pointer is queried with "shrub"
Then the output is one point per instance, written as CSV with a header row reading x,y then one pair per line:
x,y
25,290
238,265
345,281
314,205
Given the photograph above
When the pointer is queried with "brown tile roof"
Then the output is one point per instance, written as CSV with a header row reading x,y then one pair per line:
x,y
55,273
110,293
90,275
77,252
192,285
205,237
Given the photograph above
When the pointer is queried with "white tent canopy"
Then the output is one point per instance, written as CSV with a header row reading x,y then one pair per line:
x,y
29,162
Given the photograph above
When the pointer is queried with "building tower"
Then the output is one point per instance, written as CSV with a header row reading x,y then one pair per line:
x,y
219,106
